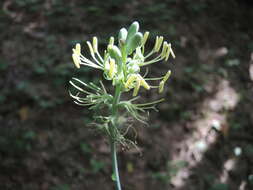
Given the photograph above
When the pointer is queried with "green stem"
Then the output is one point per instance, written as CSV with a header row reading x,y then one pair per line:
x,y
115,164
112,138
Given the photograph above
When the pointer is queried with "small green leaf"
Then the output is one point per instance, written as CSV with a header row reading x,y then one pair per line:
x,y
113,177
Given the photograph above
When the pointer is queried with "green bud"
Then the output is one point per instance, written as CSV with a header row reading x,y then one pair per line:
x,y
111,40
134,42
115,53
133,29
122,35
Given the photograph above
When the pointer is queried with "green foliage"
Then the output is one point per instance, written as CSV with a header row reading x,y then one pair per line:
x,y
96,165
85,148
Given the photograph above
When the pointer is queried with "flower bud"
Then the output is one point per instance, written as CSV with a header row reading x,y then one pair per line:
x,y
122,35
115,53
134,42
133,29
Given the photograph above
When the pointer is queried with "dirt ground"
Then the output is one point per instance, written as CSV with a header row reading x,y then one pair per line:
x,y
202,136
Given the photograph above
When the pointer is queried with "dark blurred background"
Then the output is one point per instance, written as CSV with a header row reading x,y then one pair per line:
x,y
202,137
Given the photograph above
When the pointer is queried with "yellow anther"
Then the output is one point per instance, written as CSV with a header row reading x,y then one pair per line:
x,y
77,49
137,87
164,49
145,37
159,44
112,68
168,52
156,43
144,83
76,60
165,78
130,80
95,44
161,86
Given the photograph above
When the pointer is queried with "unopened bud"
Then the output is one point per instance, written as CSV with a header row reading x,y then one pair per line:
x,y
133,29
134,42
122,35
115,53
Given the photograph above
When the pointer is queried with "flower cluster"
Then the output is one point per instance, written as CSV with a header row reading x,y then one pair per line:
x,y
122,63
